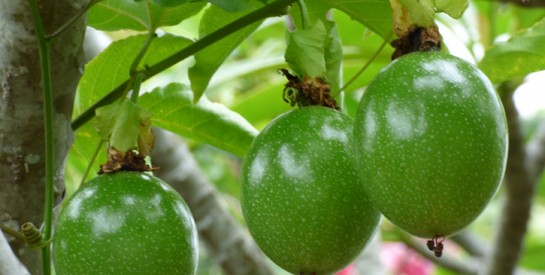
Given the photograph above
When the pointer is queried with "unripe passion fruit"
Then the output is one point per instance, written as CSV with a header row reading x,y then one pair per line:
x,y
301,195
431,143
125,223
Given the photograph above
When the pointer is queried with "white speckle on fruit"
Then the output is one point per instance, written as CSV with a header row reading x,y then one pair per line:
x,y
104,221
292,167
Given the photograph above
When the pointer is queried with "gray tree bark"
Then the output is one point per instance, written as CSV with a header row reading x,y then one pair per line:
x,y
21,110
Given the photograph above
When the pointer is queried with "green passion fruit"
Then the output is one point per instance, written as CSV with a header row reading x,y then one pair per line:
x,y
302,198
431,143
125,223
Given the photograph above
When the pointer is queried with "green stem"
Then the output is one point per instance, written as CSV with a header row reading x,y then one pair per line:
x,y
305,21
142,52
70,22
93,158
273,9
136,88
12,232
375,55
47,90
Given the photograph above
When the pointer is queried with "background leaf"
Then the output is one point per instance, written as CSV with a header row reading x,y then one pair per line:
x,y
174,110
111,68
305,50
373,14
517,57
233,5
454,8
209,59
112,15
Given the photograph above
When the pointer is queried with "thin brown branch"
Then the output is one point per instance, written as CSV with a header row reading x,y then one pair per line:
x,y
519,189
226,240
535,151
458,267
471,243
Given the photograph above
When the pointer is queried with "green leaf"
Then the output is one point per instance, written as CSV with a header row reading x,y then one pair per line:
x,y
173,109
123,125
111,67
333,55
454,8
85,144
305,50
112,15
517,57
210,59
316,51
373,14
170,3
421,11
233,5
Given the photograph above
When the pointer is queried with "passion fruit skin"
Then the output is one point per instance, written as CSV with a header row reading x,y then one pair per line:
x,y
431,143
302,198
125,223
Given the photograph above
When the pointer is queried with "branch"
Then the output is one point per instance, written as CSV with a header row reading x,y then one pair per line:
x,y
471,243
468,267
535,151
227,242
519,189
9,264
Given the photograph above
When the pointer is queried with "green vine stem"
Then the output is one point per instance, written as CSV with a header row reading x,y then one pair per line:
x,y
70,22
90,165
305,21
141,53
276,8
47,90
12,232
136,87
358,73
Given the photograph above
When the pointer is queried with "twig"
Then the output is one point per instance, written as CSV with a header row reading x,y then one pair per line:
x,y
470,243
535,152
519,190
445,261
227,241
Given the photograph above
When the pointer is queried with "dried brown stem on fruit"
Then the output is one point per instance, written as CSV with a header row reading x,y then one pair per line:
x,y
417,39
307,91
129,161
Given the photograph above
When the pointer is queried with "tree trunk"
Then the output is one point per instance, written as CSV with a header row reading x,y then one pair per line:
x,y
21,110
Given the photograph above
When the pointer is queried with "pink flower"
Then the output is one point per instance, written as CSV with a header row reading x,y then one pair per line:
x,y
402,260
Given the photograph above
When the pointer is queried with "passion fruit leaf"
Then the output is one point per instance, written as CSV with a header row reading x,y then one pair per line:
x,y
111,67
517,57
333,55
113,15
174,109
375,15
121,124
305,50
170,3
421,11
454,8
208,60
234,5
